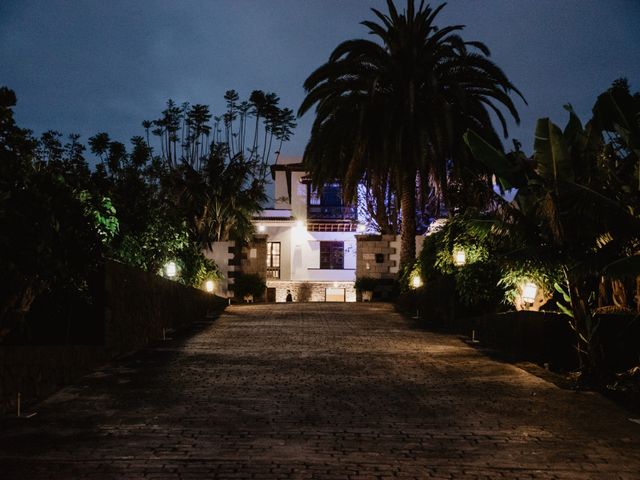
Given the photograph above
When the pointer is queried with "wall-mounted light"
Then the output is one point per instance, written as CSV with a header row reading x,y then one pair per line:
x,y
459,258
361,228
262,229
416,281
208,286
299,223
170,269
529,293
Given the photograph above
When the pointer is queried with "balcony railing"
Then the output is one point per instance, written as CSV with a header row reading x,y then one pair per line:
x,y
323,212
273,272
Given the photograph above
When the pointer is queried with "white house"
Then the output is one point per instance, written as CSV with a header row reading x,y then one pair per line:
x,y
310,235
307,244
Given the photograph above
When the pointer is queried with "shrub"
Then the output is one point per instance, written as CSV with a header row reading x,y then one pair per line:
x,y
366,284
249,284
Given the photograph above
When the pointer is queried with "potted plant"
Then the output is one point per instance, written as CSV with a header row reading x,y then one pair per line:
x,y
366,285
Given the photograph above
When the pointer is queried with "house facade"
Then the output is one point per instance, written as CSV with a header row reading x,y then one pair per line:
x,y
307,244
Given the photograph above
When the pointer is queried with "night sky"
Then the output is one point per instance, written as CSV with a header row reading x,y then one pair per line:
x,y
90,66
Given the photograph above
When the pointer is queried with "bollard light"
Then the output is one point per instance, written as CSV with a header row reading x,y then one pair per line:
x,y
529,293
208,286
170,269
459,258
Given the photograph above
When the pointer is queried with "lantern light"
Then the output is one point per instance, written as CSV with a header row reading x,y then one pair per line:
x,y
416,281
459,258
170,269
208,285
529,293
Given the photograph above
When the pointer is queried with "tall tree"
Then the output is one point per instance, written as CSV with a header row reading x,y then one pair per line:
x,y
399,107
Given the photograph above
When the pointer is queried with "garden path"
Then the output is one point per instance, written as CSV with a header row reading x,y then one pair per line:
x,y
314,391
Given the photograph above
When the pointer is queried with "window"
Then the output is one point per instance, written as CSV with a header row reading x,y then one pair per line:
x,y
273,259
332,255
330,195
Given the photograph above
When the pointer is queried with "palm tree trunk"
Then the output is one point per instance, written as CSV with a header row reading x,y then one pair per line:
x,y
408,230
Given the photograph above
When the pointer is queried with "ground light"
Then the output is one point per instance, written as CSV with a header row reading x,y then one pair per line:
x,y
170,269
459,258
208,286
416,282
529,293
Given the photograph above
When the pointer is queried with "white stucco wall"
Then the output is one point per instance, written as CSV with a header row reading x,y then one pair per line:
x,y
300,257
220,255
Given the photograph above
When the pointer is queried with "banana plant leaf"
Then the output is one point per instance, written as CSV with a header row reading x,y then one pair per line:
x,y
625,267
509,175
552,153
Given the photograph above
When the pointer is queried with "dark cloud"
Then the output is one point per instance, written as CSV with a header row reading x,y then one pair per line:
x,y
89,66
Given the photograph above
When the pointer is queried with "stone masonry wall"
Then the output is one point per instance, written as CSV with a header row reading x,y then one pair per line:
x,y
309,291
377,256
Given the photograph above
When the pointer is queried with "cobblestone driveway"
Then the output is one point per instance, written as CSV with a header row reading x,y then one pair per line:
x,y
318,391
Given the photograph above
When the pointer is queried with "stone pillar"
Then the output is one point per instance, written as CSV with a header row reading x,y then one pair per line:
x,y
377,256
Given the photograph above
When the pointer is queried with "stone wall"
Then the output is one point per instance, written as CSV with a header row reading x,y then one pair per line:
x,y
378,256
309,291
36,371
254,256
137,307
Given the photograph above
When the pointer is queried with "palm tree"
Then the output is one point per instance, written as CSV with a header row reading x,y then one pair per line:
x,y
400,107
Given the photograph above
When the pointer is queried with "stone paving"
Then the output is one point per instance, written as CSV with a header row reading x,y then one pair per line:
x,y
318,391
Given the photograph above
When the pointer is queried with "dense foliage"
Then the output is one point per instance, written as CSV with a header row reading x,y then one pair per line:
x,y
572,227
144,205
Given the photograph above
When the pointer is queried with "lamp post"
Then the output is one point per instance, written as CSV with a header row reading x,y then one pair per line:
x,y
416,282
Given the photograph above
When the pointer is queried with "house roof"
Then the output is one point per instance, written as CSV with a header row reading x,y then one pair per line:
x,y
288,167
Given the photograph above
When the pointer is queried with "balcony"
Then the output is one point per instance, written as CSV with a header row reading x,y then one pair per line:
x,y
324,212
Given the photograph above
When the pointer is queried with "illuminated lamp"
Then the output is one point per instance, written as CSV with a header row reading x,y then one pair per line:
x,y
459,258
208,286
261,228
170,269
529,293
416,281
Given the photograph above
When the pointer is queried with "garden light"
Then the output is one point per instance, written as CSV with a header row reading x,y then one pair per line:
x,y
170,269
208,286
529,293
459,258
416,281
